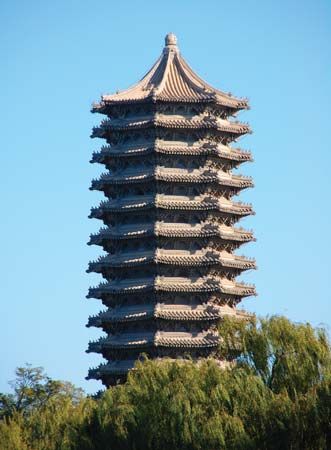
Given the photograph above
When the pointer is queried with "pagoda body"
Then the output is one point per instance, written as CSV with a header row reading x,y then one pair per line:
x,y
170,219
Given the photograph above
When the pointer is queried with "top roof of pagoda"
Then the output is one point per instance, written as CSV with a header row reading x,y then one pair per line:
x,y
172,80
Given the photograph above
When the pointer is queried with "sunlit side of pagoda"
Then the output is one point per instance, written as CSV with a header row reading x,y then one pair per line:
x,y
169,217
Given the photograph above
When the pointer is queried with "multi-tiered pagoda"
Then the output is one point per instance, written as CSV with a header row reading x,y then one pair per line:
x,y
169,236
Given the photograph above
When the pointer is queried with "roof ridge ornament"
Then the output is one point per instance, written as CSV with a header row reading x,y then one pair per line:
x,y
170,43
170,39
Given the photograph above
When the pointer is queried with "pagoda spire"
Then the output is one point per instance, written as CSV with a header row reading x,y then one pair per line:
x,y
171,41
169,218
170,44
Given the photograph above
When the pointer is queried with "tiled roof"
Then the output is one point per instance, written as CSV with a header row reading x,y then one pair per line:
x,y
166,121
121,367
175,202
139,174
171,79
172,284
204,257
164,229
172,148
176,312
111,368
145,339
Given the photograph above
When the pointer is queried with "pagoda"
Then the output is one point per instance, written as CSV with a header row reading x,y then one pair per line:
x,y
169,217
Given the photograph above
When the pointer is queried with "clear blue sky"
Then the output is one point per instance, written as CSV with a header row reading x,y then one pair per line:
x,y
59,56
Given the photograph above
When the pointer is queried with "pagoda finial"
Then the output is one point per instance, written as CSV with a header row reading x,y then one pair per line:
x,y
171,40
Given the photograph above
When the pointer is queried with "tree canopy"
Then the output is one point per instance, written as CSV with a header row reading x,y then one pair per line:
x,y
277,396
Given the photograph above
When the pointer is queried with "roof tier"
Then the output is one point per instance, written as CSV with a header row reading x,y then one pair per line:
x,y
171,202
199,122
122,367
171,80
141,174
173,230
171,284
113,368
200,148
172,312
142,340
205,257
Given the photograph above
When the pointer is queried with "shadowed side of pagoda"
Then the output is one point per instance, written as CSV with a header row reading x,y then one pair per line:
x,y
169,217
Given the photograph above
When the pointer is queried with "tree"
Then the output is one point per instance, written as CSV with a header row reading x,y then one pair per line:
x,y
41,413
33,389
277,397
284,355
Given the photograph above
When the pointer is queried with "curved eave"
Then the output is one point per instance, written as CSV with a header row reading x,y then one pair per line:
x,y
206,230
168,176
169,284
175,312
168,230
140,340
122,367
133,313
199,259
172,203
210,340
113,368
219,125
106,104
220,151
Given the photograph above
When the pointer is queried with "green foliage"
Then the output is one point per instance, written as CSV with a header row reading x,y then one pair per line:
x,y
285,355
33,389
278,396
41,414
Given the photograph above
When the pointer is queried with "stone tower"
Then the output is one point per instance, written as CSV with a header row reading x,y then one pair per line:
x,y
169,268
